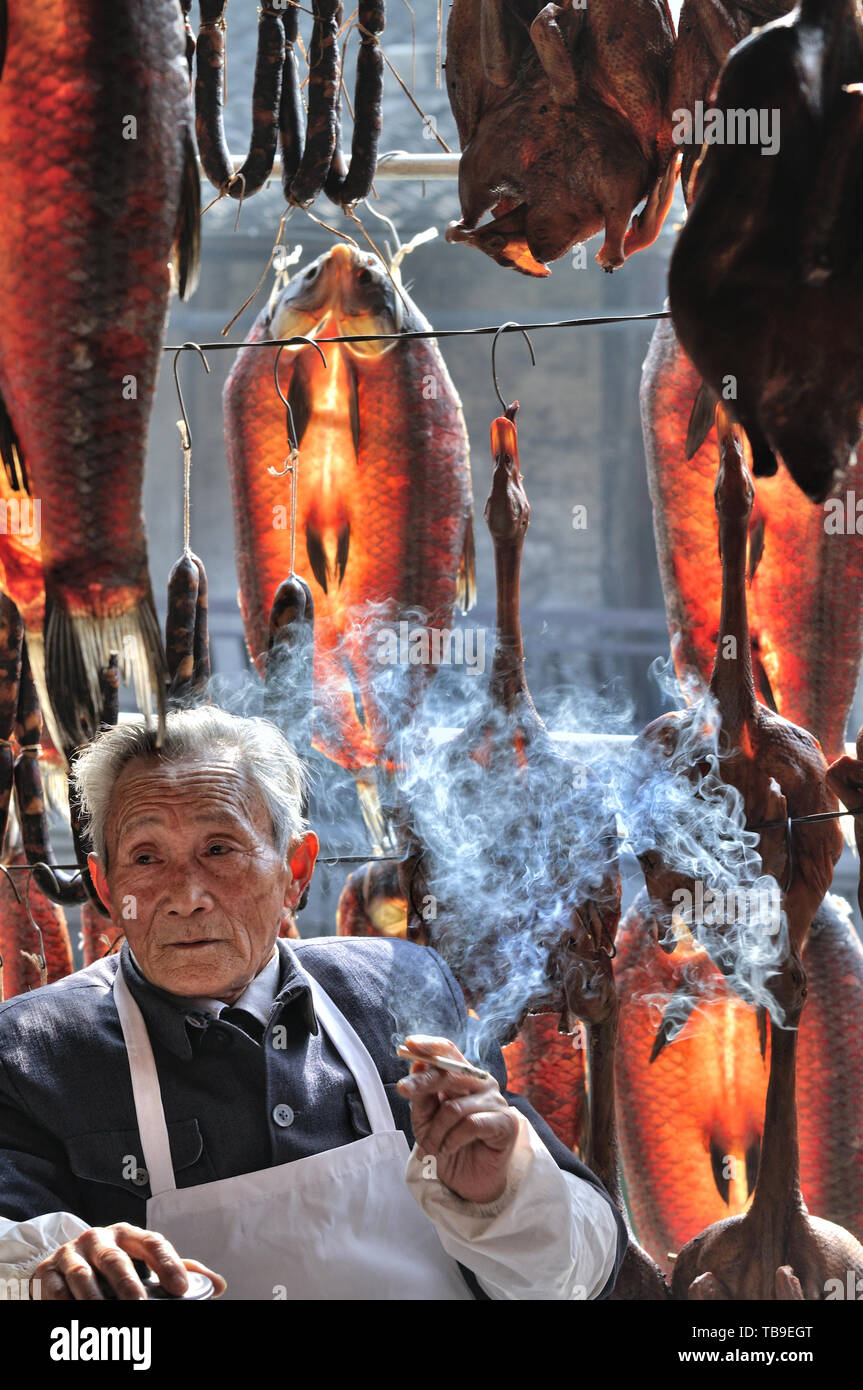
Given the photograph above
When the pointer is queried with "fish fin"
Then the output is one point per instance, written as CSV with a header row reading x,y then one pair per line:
x,y
674,1019
753,1154
700,419
77,649
763,687
10,450
317,557
300,401
466,581
717,1165
343,545
353,403
187,246
756,545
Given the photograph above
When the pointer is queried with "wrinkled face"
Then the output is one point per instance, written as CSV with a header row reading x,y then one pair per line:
x,y
193,876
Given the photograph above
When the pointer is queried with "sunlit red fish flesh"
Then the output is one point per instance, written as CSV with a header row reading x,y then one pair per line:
x,y
384,509
101,188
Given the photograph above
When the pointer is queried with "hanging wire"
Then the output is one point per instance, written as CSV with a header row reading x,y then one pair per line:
x,y
509,327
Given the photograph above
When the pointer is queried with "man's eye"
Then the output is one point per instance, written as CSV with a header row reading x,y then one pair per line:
x,y
219,849
143,858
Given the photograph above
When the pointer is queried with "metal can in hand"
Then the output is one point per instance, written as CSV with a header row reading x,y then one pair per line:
x,y
200,1287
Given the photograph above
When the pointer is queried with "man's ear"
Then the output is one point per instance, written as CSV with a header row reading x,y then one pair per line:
x,y
302,866
99,877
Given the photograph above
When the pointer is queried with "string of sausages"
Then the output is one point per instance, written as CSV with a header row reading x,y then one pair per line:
x,y
310,149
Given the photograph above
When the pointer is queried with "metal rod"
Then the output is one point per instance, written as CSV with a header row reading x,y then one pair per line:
x,y
398,165
442,332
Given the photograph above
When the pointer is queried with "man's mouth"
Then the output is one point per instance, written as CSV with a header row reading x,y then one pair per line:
x,y
195,945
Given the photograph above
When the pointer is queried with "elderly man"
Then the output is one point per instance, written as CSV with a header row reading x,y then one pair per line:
x,y
214,1098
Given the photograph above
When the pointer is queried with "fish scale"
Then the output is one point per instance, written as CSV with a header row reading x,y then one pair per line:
x,y
90,223
401,481
806,595
708,1087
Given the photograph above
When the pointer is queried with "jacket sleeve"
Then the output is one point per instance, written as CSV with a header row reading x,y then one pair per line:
x,y
580,1199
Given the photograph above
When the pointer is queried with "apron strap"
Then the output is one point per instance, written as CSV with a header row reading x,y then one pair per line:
x,y
149,1110
356,1055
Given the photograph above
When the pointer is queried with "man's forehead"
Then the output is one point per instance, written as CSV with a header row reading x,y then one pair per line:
x,y
215,783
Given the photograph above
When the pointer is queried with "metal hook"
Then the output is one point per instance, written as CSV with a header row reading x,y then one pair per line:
x,y
4,870
292,429
186,347
509,324
790,852
388,223
33,923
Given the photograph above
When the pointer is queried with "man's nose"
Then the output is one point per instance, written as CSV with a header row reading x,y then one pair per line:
x,y
185,891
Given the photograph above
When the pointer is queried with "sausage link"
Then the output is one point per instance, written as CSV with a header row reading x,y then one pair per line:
x,y
201,643
291,114
368,105
323,93
183,584
58,885
109,688
338,169
266,100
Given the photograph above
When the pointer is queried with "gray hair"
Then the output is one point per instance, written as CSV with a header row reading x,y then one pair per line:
x,y
264,754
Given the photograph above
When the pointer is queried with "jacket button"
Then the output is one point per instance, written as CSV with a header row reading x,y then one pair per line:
x,y
140,1177
283,1115
221,1039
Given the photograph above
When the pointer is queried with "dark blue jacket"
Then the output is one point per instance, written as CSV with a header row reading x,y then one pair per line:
x,y
68,1135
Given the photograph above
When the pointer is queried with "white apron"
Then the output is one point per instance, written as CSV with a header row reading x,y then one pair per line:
x,y
336,1225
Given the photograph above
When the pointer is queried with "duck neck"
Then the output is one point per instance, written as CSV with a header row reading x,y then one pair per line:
x,y
731,681
601,1154
508,684
777,1186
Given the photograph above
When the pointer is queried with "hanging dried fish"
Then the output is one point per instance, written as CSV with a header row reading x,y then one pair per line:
x,y
266,98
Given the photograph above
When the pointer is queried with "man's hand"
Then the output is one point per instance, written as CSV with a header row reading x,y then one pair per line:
x,y
73,1270
464,1123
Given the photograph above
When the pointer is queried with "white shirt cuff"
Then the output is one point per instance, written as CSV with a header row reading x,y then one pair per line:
x,y
24,1244
550,1235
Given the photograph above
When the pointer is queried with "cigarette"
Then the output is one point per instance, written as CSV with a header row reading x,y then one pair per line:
x,y
446,1064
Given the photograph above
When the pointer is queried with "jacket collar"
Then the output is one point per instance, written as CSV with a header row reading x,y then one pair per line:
x,y
174,1021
